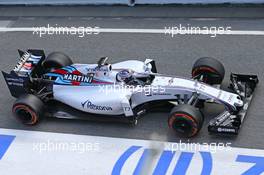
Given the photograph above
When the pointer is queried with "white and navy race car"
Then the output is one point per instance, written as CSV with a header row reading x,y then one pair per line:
x,y
54,86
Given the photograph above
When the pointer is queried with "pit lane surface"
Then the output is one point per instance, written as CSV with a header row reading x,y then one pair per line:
x,y
241,54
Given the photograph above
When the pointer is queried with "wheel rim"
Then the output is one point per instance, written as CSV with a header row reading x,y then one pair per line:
x,y
25,114
183,124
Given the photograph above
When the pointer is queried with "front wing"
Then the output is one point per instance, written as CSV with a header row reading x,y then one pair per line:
x,y
229,122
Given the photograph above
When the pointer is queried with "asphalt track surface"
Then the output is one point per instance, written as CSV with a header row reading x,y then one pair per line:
x,y
241,54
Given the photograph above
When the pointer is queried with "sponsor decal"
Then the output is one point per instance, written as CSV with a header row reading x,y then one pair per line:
x,y
202,87
78,78
226,130
170,82
230,98
159,94
95,69
28,66
25,56
15,79
88,104
22,60
15,84
219,94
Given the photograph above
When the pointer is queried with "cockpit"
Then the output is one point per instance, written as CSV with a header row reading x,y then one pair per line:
x,y
130,72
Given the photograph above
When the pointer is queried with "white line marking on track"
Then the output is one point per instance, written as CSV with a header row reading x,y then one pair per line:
x,y
145,31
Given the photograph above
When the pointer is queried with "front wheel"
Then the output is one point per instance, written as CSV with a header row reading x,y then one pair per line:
x,y
208,70
185,120
28,109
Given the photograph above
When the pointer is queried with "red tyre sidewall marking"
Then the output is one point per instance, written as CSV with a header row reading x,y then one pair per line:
x,y
203,69
184,116
26,108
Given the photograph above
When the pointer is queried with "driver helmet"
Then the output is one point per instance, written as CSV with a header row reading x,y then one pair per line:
x,y
124,75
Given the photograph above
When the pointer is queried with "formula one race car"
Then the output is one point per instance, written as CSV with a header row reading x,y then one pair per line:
x,y
54,86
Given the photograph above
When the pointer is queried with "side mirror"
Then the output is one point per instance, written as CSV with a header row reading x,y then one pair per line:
x,y
102,61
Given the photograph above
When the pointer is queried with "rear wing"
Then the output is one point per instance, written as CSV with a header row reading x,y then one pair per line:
x,y
29,62
29,65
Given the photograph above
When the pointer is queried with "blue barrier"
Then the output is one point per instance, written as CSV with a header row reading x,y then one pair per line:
x,y
5,142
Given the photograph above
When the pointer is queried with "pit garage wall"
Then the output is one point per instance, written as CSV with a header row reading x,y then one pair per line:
x,y
121,2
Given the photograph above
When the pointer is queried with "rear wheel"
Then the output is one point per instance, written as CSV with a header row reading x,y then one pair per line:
x,y
185,120
28,109
56,60
208,70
